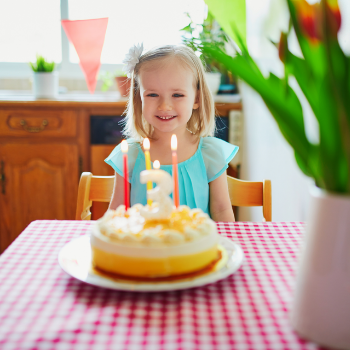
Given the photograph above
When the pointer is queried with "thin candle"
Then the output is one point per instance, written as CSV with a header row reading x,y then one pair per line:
x,y
175,171
146,147
124,147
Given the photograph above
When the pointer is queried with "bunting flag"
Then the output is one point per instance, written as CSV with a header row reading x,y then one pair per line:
x,y
88,37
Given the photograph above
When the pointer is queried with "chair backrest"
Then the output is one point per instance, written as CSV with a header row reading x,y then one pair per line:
x,y
92,189
242,193
251,194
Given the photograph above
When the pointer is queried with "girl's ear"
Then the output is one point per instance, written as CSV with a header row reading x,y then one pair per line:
x,y
196,101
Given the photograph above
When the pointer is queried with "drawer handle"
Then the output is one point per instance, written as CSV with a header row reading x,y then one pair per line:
x,y
34,128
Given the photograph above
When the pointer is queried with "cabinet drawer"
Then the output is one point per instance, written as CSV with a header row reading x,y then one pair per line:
x,y
38,123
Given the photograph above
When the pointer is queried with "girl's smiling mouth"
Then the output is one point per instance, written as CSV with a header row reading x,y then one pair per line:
x,y
166,117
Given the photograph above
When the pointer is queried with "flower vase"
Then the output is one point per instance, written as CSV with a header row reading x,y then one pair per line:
x,y
123,85
321,309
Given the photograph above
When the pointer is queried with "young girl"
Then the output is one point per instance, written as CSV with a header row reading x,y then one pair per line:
x,y
169,95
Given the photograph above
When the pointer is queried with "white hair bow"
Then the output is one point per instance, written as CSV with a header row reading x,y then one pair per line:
x,y
132,59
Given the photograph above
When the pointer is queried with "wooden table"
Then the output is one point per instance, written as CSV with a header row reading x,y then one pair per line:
x,y
44,308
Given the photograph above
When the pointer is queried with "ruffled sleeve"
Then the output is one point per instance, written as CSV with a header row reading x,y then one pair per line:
x,y
115,159
216,155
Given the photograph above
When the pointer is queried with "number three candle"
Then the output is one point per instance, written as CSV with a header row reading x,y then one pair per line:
x,y
124,147
146,147
175,171
159,194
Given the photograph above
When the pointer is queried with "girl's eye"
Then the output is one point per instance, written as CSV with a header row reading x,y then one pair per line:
x,y
152,95
178,95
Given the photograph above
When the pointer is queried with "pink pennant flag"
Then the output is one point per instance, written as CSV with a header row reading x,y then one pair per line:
x,y
88,37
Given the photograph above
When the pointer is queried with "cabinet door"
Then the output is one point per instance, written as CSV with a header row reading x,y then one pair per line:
x,y
40,181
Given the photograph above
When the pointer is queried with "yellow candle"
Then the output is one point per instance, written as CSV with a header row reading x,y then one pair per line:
x,y
146,147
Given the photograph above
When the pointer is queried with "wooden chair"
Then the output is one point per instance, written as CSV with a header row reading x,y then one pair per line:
x,y
242,193
251,194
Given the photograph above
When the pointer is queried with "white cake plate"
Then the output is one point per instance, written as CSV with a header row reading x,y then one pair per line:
x,y
75,259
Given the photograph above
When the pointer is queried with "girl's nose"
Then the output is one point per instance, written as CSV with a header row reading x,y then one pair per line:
x,y
164,106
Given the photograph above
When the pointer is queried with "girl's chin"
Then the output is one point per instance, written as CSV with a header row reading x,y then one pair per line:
x,y
172,125
168,129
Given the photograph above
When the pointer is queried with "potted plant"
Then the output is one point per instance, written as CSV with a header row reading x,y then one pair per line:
x,y
121,79
123,83
45,79
207,32
321,308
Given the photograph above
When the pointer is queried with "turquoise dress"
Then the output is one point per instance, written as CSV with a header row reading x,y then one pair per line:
x,y
208,163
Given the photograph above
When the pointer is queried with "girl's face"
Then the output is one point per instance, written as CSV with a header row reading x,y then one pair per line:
x,y
168,96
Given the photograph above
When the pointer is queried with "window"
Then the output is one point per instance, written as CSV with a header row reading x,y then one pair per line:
x,y
26,31
33,27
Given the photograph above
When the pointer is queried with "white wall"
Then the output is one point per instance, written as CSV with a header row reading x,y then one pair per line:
x,y
266,155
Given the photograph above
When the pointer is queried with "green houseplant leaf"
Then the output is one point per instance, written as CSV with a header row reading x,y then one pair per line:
x,y
323,75
227,12
41,65
195,34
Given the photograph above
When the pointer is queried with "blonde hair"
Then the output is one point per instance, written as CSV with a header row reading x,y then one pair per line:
x,y
202,121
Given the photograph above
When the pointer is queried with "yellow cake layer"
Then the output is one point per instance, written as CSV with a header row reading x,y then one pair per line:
x,y
152,267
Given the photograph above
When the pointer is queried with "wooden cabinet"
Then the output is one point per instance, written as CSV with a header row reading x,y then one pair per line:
x,y
44,147
41,157
40,183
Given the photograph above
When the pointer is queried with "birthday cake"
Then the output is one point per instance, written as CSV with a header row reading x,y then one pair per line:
x,y
127,242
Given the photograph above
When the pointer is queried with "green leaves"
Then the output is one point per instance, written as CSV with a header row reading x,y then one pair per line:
x,y
283,104
107,80
41,65
228,12
209,31
323,74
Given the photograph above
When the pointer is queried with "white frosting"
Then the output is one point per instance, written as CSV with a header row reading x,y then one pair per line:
x,y
103,243
119,227
124,233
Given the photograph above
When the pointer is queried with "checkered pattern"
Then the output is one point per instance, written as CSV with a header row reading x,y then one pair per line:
x,y
41,307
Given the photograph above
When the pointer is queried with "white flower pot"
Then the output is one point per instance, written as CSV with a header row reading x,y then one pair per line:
x,y
321,309
213,81
45,84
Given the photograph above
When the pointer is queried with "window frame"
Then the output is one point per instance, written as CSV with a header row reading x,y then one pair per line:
x,y
66,69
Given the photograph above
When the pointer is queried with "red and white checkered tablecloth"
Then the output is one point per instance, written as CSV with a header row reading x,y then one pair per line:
x,y
41,307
